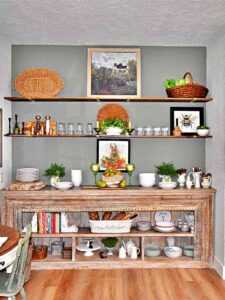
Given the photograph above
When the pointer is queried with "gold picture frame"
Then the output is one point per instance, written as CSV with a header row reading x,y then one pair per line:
x,y
114,73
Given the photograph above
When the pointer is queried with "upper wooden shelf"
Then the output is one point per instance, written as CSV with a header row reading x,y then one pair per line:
x,y
91,99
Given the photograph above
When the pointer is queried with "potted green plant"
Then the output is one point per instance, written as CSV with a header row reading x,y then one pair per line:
x,y
55,172
110,244
113,126
202,130
166,171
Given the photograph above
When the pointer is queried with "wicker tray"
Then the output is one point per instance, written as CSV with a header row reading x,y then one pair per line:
x,y
39,83
190,90
112,111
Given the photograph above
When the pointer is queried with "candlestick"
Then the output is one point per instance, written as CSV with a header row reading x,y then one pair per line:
x,y
129,126
97,124
10,119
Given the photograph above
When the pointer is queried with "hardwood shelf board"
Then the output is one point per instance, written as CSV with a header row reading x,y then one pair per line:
x,y
109,137
93,99
85,232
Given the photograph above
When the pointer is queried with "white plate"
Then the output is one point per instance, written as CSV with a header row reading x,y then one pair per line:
x,y
167,185
163,216
165,230
3,239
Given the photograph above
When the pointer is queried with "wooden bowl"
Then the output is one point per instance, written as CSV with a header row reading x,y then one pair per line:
x,y
39,252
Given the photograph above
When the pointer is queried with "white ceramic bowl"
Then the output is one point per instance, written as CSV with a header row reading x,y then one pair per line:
x,y
113,131
143,225
168,185
202,132
165,224
147,175
152,250
188,250
173,252
63,185
147,179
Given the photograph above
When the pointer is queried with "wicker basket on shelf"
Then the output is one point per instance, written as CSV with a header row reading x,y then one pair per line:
x,y
190,90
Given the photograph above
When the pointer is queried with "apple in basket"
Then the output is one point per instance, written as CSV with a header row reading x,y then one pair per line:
x,y
112,177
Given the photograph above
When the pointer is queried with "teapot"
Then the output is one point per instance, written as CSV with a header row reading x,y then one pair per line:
x,y
190,219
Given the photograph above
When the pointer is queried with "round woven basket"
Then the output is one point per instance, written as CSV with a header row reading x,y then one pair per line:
x,y
112,111
190,90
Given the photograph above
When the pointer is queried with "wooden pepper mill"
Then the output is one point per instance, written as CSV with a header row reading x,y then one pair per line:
x,y
177,131
38,125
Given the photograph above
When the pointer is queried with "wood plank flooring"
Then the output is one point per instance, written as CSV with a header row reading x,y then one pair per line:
x,y
127,284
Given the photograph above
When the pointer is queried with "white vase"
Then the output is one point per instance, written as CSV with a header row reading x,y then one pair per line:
x,y
54,179
76,177
181,179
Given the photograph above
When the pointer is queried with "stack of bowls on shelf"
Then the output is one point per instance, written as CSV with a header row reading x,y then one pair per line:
x,y
165,226
76,176
27,174
143,225
147,179
173,252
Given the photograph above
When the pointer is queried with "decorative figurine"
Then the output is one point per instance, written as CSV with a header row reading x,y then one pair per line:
x,y
181,176
206,180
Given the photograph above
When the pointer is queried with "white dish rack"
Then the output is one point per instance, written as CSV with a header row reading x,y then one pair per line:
x,y
111,226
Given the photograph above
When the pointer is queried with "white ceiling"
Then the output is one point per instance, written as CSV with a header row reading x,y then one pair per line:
x,y
111,22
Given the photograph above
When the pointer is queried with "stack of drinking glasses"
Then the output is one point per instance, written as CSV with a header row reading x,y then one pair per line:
x,y
72,129
152,131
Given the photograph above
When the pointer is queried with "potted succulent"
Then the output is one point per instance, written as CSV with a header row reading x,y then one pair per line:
x,y
110,244
113,126
202,130
55,172
166,171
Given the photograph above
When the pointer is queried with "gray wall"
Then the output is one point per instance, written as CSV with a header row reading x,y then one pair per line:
x,y
158,63
215,157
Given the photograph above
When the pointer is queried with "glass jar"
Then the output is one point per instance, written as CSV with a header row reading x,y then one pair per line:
x,y
79,128
165,131
148,130
157,131
139,130
71,128
61,128
89,129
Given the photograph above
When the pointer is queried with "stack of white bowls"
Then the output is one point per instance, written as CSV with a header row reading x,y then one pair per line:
x,y
147,179
76,177
165,226
27,174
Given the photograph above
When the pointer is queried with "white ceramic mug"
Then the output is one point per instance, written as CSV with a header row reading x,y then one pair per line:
x,y
76,176
134,251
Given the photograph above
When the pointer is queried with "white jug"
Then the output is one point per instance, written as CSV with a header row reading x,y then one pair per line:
x,y
122,252
129,244
134,251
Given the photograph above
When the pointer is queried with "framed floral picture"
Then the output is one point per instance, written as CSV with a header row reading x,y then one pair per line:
x,y
113,153
187,118
114,73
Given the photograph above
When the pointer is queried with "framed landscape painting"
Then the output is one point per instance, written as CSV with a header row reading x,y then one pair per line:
x,y
188,119
113,153
114,73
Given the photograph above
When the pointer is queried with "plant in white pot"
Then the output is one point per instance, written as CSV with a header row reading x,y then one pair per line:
x,y
113,126
55,172
202,130
166,171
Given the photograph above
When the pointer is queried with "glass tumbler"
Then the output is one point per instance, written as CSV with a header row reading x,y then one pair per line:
x,y
71,128
79,128
139,130
157,131
61,128
89,129
148,130
165,131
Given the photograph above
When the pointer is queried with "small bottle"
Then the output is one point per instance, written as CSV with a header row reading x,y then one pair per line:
x,y
38,125
47,126
16,129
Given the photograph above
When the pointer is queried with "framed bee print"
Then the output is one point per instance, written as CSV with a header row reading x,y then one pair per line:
x,y
187,118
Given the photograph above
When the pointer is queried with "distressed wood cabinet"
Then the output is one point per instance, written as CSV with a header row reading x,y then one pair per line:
x,y
145,201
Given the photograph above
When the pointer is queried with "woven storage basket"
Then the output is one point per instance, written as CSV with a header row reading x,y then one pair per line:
x,y
112,111
111,226
190,90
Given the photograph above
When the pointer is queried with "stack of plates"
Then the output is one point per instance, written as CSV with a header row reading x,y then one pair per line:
x,y
27,174
165,226
168,185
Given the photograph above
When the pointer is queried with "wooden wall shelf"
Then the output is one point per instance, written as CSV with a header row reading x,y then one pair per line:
x,y
110,137
91,99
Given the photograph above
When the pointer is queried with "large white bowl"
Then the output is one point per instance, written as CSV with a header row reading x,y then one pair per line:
x,y
147,179
173,252
165,224
113,131
168,185
63,185
202,132
147,183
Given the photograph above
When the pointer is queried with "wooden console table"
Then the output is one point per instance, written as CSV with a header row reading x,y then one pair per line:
x,y
141,200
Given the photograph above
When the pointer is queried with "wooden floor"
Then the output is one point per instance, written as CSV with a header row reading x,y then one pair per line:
x,y
132,284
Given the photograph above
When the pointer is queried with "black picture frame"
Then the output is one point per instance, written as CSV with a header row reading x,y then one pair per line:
x,y
174,112
101,142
